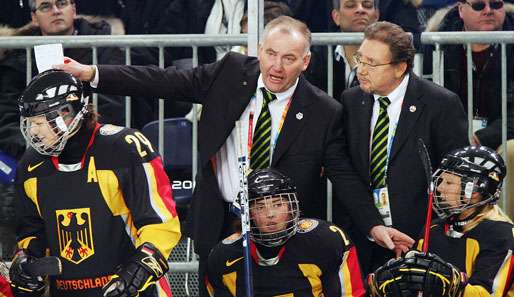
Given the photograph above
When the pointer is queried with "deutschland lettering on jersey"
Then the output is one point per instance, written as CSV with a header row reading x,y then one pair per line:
x,y
93,215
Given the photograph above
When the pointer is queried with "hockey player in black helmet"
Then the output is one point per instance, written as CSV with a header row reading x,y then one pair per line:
x,y
94,195
470,249
304,257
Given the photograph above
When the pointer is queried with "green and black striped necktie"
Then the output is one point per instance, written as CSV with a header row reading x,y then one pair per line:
x,y
260,155
378,156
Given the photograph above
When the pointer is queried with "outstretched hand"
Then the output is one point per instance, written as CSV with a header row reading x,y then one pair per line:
x,y
80,71
392,239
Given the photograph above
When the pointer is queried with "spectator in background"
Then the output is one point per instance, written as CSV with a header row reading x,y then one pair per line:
x,y
272,10
480,15
350,16
402,13
428,7
225,18
14,13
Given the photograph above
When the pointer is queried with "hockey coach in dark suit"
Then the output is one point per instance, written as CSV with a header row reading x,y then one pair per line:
x,y
383,119
294,127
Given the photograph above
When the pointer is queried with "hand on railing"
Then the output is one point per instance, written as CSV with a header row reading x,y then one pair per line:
x,y
80,71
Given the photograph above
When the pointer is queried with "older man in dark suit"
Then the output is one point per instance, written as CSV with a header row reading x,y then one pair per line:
x,y
304,124
383,119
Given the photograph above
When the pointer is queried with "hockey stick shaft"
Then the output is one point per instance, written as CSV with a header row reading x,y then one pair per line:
x,y
245,209
425,160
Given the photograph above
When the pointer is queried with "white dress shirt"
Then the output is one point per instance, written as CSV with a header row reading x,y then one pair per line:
x,y
393,111
227,167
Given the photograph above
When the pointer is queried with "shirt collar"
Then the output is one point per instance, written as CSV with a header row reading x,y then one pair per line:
x,y
280,96
340,54
398,93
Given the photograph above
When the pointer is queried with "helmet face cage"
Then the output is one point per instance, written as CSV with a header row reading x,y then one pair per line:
x,y
444,205
474,169
52,108
53,124
274,218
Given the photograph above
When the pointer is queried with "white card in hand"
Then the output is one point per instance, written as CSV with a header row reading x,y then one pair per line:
x,y
48,55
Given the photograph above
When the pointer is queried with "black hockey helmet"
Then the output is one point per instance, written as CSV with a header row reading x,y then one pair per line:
x,y
57,97
481,170
267,189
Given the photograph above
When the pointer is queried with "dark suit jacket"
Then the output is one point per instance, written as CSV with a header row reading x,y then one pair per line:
x,y
311,136
429,112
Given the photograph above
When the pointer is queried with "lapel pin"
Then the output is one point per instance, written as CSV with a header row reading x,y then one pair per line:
x,y
299,116
412,108
244,83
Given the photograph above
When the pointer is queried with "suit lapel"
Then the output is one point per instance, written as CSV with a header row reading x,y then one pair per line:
x,y
297,116
366,110
235,100
412,108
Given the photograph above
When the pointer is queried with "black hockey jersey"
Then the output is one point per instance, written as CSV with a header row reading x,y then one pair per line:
x,y
95,213
319,260
484,253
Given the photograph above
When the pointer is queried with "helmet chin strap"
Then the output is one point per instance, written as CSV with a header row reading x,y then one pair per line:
x,y
459,223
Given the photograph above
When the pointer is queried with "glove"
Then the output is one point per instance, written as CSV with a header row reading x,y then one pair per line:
x,y
417,272
21,281
143,269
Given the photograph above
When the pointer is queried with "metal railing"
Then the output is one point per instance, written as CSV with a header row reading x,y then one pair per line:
x,y
323,39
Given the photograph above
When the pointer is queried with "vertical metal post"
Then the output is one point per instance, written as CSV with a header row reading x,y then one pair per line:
x,y
161,110
128,107
94,58
255,25
436,65
505,204
469,70
28,53
330,90
195,125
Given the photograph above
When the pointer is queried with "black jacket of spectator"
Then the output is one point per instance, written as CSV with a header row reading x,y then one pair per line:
x,y
13,81
487,84
14,13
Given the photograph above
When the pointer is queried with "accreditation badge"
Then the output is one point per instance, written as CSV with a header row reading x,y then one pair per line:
x,y
381,199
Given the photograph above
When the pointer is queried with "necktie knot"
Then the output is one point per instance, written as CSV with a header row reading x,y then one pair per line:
x,y
384,102
267,96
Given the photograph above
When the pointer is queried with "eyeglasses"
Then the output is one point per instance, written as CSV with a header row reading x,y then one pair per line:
x,y
479,6
47,6
358,60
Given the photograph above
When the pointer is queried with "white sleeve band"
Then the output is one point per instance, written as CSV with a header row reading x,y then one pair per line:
x,y
94,82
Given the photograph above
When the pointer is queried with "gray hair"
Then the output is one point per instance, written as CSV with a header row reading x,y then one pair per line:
x,y
336,4
289,25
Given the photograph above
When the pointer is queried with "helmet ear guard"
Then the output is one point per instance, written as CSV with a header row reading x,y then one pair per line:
x,y
53,102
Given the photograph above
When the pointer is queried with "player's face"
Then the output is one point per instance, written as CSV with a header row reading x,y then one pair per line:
x,y
40,128
270,214
486,19
54,17
355,15
282,58
376,73
450,189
